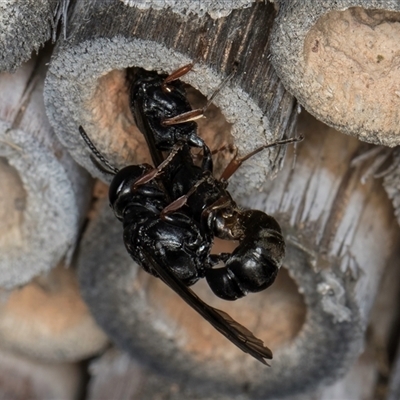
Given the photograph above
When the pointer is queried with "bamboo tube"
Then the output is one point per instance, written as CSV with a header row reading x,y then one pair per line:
x,y
47,320
44,192
117,376
340,60
25,25
215,9
86,84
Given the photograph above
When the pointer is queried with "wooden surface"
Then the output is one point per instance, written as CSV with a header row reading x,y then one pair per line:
x,y
22,378
340,60
391,182
383,334
199,8
394,383
86,83
25,25
339,225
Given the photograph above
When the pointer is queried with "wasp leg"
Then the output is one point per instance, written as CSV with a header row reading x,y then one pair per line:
x,y
156,172
173,76
181,201
199,112
188,116
254,264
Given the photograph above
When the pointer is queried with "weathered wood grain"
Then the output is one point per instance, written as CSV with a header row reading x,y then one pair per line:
x,y
340,59
23,378
25,25
215,9
86,84
391,182
44,193
394,382
383,333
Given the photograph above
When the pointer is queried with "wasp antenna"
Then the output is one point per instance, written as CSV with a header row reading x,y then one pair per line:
x,y
111,170
220,87
236,162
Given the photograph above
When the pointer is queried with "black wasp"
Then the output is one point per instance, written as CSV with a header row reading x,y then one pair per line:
x,y
172,212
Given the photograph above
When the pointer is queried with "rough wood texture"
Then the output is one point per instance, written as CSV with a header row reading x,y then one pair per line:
x,y
214,8
324,195
48,320
86,84
394,383
22,378
383,162
340,235
391,182
25,25
383,334
44,192
340,59
116,376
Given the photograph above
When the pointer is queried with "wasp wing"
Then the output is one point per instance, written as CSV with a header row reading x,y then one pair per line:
x,y
220,320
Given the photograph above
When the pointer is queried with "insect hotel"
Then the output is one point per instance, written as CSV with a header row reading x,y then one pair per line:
x,y
303,235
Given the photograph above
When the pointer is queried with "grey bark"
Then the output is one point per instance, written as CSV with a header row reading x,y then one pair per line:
x,y
24,378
